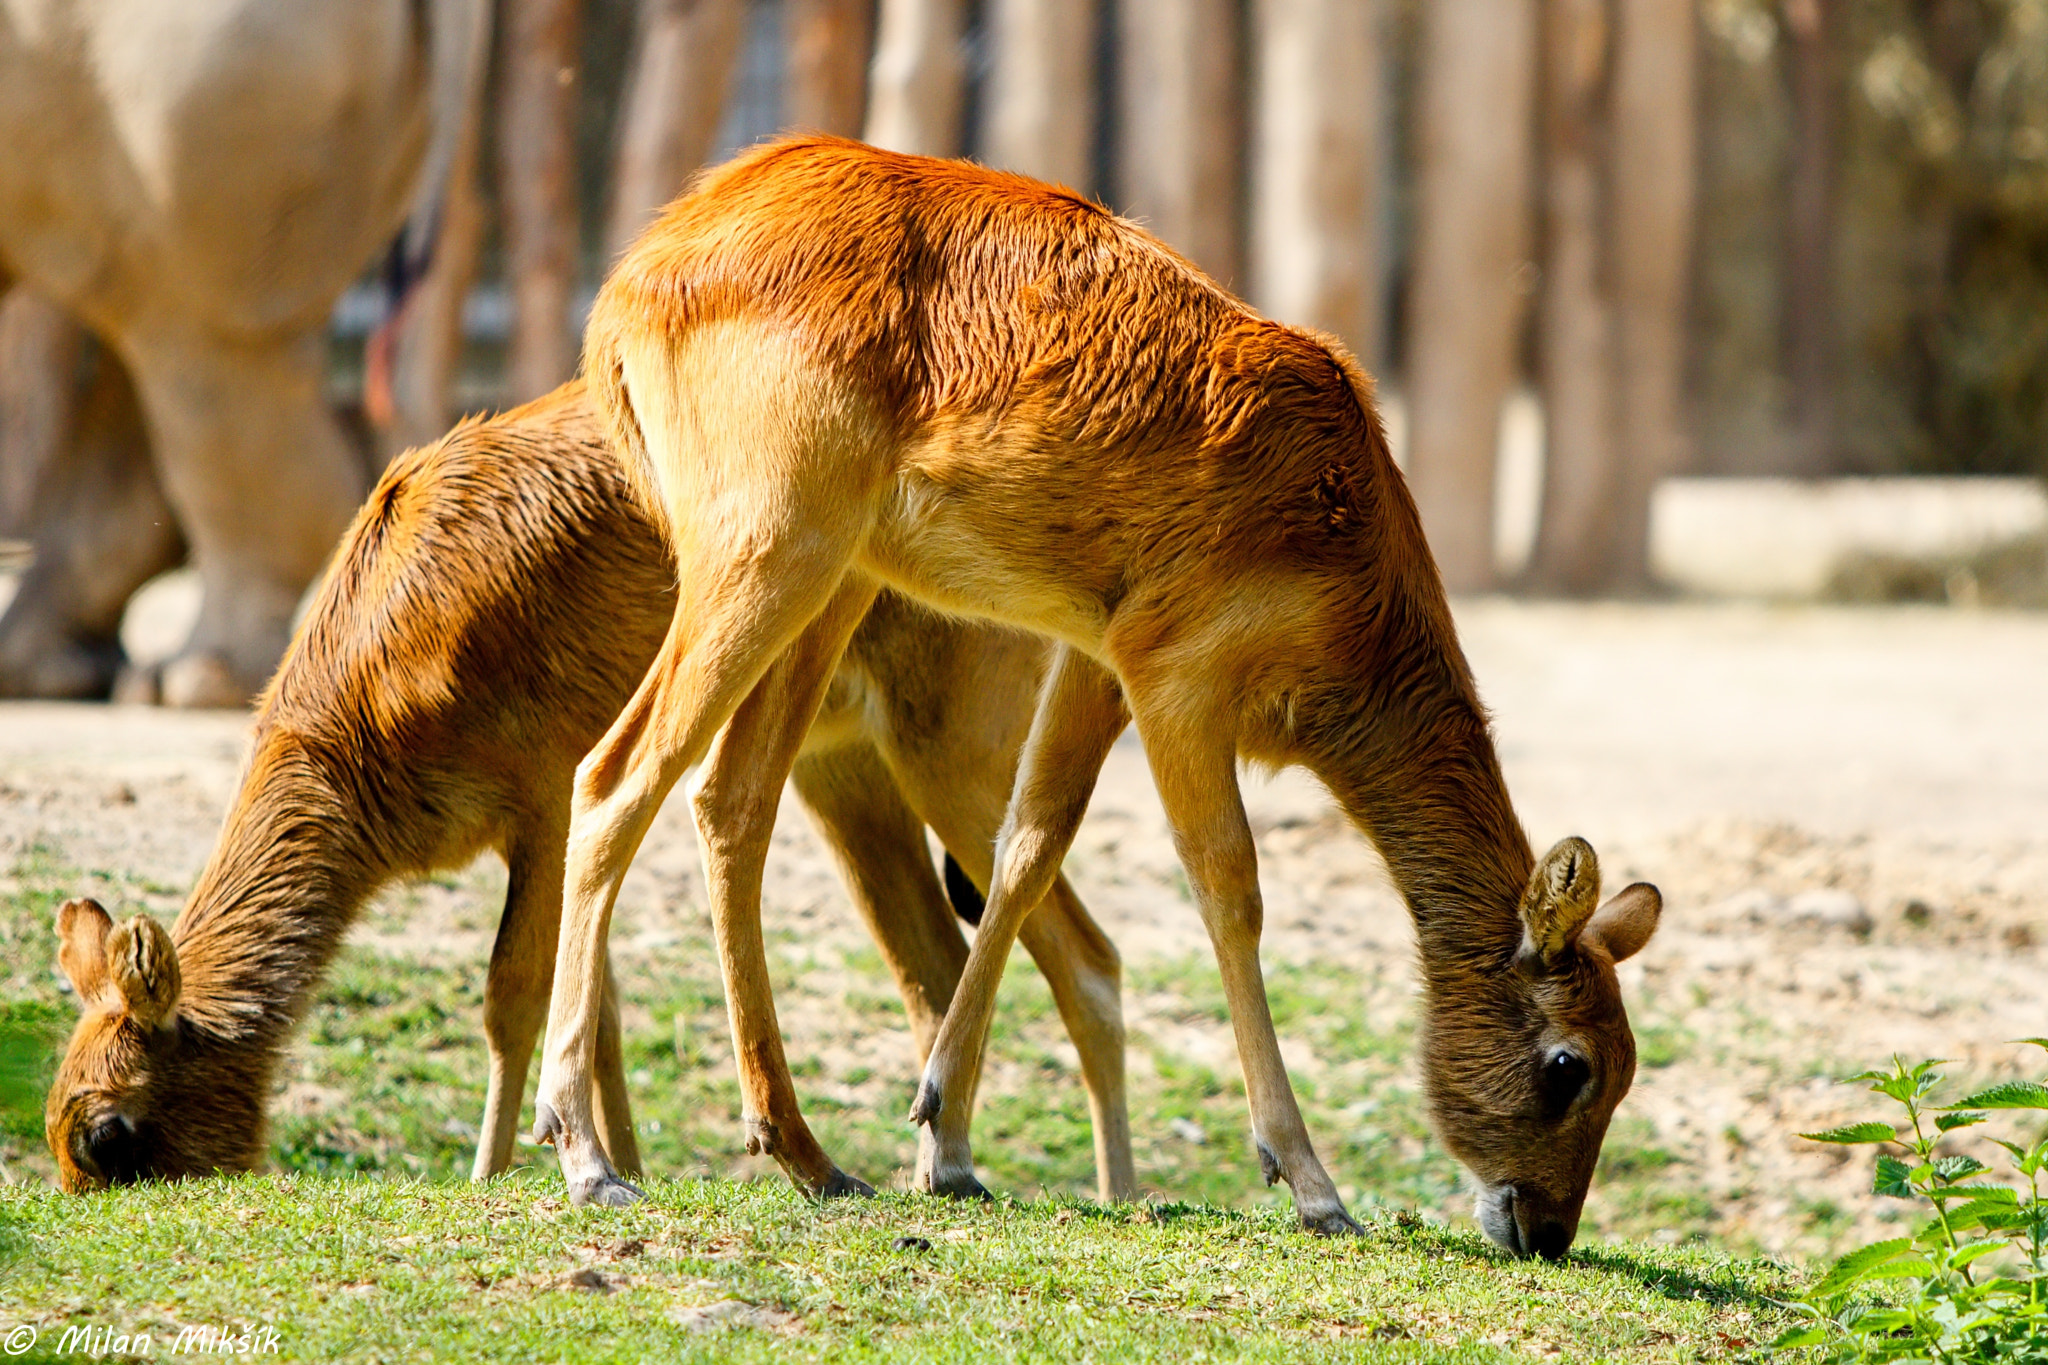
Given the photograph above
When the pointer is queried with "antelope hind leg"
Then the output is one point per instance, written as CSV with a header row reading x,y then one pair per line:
x,y
1080,714
735,807
1197,780
742,610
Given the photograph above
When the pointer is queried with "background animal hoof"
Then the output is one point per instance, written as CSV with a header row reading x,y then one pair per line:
x,y
203,682
605,1192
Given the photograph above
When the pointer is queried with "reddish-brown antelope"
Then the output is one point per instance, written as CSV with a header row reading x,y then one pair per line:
x,y
490,612
829,369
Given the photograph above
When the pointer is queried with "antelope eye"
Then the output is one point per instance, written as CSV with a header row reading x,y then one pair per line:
x,y
1565,1074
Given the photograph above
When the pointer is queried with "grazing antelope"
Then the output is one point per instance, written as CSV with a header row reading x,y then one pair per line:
x,y
487,617
828,369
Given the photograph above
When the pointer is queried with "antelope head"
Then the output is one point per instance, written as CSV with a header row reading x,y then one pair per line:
x,y
135,1097
1526,1059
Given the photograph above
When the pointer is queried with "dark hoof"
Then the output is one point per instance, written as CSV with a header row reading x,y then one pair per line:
x,y
844,1186
958,1187
1332,1223
605,1192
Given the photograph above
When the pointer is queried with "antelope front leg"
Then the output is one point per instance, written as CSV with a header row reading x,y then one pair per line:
x,y
1197,780
1080,714
735,808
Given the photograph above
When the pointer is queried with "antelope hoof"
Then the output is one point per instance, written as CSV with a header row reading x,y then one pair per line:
x,y
956,1187
1334,1222
844,1186
604,1192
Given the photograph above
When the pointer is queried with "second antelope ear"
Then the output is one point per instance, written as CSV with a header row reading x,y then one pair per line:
x,y
143,966
1562,895
1626,922
82,929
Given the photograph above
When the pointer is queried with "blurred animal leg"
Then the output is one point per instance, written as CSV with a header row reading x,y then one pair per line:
x,y
263,484
101,529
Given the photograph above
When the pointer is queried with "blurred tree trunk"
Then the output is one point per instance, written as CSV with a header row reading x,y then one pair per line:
x,y
828,65
537,188
684,55
426,353
41,348
1041,117
1812,26
1182,97
1618,201
919,82
1466,300
1655,197
1316,165
1575,328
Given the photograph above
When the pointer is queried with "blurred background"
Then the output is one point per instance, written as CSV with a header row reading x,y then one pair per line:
x,y
1738,297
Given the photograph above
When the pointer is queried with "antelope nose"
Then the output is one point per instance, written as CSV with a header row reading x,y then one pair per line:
x,y
1550,1240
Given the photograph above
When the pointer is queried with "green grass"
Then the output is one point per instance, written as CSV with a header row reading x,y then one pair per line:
x,y
405,1270
368,1222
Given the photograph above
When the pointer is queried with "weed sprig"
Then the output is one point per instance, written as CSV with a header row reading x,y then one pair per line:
x,y
1971,1278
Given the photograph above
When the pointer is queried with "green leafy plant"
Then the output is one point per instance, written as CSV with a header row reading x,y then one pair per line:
x,y
1969,1283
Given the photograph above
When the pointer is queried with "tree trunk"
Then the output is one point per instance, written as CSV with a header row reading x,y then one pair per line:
x,y
1655,149
1576,323
41,348
919,83
1809,226
828,65
1466,300
1182,93
684,56
537,188
1042,89
1316,168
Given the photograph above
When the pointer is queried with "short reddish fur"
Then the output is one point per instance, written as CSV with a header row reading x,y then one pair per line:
x,y
1017,406
480,626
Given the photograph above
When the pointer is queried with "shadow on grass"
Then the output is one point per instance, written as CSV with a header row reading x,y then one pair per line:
x,y
1673,1282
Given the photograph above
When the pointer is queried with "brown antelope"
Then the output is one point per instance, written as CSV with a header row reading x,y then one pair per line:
x,y
828,369
487,617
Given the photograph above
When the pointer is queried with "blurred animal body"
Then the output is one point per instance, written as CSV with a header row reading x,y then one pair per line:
x,y
830,369
489,614
198,182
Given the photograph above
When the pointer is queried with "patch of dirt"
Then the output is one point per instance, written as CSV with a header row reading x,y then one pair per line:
x,y
1847,811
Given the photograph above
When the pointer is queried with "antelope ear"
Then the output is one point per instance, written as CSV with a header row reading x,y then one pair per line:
x,y
144,968
1563,892
1625,923
82,928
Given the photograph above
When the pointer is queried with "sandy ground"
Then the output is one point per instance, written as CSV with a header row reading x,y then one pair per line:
x,y
1847,810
